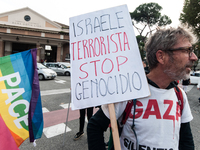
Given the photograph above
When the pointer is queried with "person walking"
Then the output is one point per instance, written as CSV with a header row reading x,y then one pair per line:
x,y
159,121
185,83
82,121
45,62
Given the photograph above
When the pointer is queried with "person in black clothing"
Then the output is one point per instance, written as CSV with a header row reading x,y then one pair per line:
x,y
159,121
146,68
82,121
185,84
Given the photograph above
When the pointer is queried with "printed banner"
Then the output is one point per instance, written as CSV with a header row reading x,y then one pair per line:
x,y
105,60
20,100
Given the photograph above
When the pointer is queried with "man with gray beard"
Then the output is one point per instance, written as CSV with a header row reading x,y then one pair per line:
x,y
159,121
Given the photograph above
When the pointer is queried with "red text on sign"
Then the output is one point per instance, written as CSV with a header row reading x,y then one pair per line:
x,y
100,46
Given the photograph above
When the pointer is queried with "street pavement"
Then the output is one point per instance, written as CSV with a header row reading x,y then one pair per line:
x,y
193,96
55,138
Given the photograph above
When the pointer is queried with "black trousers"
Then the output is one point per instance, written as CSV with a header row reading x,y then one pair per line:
x,y
82,117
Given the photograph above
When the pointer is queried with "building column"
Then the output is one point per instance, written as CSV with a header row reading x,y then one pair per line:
x,y
65,51
58,59
8,48
1,48
42,52
38,52
61,55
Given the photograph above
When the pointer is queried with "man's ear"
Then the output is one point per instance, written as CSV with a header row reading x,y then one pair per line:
x,y
160,55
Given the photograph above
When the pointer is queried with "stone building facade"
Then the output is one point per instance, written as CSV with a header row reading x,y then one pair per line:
x,y
25,29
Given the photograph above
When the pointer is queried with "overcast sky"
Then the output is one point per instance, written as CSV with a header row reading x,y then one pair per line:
x,y
62,10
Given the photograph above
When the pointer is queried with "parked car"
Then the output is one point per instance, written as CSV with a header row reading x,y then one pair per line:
x,y
195,77
67,64
44,72
59,68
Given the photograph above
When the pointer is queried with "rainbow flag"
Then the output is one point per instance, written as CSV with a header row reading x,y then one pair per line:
x,y
20,100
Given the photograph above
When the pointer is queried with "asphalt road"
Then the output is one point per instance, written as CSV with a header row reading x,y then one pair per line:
x,y
65,141
53,103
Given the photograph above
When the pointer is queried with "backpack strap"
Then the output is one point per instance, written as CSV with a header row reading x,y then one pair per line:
x,y
133,125
127,111
134,102
180,98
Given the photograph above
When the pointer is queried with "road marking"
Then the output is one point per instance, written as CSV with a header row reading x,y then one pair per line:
x,y
54,125
60,81
55,130
65,106
52,92
44,110
51,118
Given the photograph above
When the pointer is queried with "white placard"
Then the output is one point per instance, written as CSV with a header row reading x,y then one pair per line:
x,y
106,64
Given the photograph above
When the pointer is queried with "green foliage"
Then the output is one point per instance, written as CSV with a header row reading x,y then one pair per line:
x,y
141,44
164,20
191,15
191,18
148,14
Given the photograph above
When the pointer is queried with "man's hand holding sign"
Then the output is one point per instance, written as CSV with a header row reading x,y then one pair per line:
x,y
106,63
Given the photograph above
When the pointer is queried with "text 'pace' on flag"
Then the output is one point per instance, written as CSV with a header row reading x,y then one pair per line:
x,y
20,100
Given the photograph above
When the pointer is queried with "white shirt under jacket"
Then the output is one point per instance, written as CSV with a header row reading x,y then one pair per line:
x,y
157,120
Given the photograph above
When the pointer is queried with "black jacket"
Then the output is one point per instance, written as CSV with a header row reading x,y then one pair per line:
x,y
99,123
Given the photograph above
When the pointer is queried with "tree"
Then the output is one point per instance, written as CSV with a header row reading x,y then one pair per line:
x,y
148,14
191,15
140,41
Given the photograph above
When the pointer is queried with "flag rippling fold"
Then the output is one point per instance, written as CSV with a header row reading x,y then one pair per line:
x,y
20,99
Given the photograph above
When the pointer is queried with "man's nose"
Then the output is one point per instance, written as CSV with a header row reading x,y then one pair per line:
x,y
193,57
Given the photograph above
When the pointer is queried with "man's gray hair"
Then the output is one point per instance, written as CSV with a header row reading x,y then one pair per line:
x,y
164,39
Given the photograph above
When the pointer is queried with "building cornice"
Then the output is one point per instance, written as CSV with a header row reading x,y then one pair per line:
x,y
34,37
34,29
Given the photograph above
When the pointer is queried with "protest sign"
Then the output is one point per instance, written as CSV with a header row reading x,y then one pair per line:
x,y
105,60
